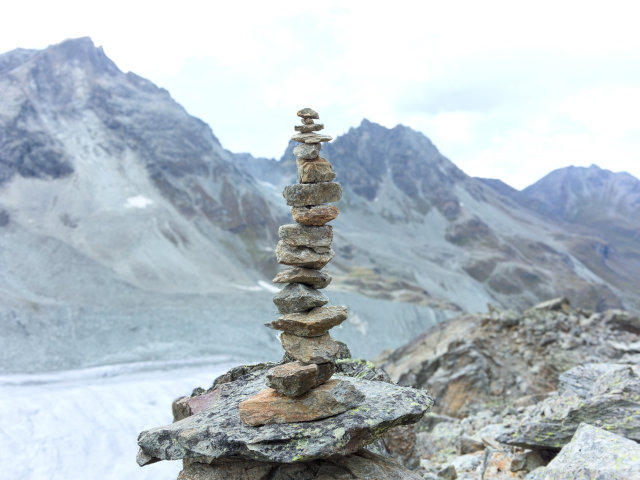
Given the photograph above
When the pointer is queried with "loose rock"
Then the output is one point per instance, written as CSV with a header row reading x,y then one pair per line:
x,y
311,138
312,127
307,236
320,349
311,324
313,278
314,215
302,256
296,378
308,151
305,194
308,113
297,297
314,171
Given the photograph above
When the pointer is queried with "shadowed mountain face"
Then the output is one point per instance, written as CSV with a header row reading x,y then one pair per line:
x,y
116,204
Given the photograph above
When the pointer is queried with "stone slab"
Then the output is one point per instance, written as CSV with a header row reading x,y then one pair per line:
x,y
311,138
296,378
319,349
297,297
305,194
312,127
308,276
314,215
297,235
302,256
311,324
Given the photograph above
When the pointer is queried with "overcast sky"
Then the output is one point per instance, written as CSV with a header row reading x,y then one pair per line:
x,y
505,89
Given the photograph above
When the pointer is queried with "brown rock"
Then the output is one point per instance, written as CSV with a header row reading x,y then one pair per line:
x,y
311,324
315,214
296,378
320,349
303,256
297,235
327,400
308,113
310,127
314,171
305,194
308,276
311,137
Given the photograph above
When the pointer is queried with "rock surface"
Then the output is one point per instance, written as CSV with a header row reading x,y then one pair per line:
x,y
217,431
297,235
306,257
308,276
314,215
308,151
295,378
314,171
313,323
593,453
609,398
311,138
320,349
308,113
268,406
297,297
312,127
362,465
305,194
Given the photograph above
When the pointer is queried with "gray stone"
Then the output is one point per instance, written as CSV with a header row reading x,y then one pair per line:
x,y
314,171
319,349
593,453
307,121
268,406
448,473
308,113
612,402
621,320
362,465
302,256
307,151
308,276
314,215
311,138
297,297
305,194
312,127
218,432
296,378
298,235
312,323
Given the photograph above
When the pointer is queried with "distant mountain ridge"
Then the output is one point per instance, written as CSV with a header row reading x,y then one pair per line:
x,y
113,197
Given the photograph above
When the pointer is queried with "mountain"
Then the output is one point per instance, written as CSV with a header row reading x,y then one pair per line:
x,y
127,231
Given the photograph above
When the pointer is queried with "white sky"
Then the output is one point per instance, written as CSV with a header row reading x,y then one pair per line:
x,y
505,89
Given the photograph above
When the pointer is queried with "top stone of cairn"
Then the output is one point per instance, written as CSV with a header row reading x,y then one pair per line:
x,y
308,113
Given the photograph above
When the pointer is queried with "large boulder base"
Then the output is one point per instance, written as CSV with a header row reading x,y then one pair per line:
x,y
593,453
362,465
218,432
329,399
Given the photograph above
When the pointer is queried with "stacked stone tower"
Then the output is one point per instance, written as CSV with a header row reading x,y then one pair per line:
x,y
305,247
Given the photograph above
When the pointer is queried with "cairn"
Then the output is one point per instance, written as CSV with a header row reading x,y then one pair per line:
x,y
301,390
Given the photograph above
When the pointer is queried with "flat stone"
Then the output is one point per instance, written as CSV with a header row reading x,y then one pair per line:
x,y
314,171
362,465
311,324
302,256
320,349
608,396
297,297
311,127
307,151
308,276
296,235
311,137
296,378
305,194
308,113
329,399
314,214
593,453
217,432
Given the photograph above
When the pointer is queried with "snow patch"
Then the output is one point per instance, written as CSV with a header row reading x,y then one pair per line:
x,y
139,201
268,287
